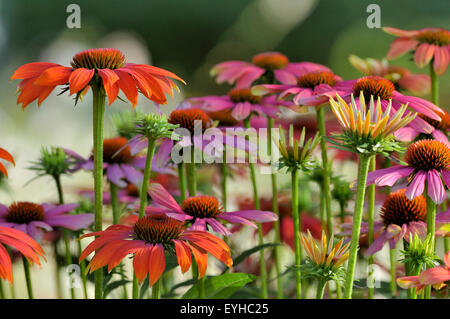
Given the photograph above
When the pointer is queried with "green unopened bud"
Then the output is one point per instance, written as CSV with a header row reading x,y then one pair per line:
x,y
154,126
420,254
53,161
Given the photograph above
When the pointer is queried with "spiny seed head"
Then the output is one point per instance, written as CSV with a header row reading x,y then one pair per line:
x,y
24,213
99,59
427,155
186,118
399,210
243,95
313,79
270,60
202,206
53,161
157,229
111,148
377,86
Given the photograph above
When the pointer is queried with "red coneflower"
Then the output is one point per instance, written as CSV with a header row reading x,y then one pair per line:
x,y
147,240
23,243
8,157
103,67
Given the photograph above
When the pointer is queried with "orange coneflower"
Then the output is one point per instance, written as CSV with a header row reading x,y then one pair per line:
x,y
8,157
23,243
148,239
104,67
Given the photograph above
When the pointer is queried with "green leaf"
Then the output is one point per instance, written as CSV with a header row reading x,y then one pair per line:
x,y
144,288
220,287
240,258
115,284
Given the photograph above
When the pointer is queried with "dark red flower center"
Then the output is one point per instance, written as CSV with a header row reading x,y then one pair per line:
x,y
426,155
224,117
202,206
157,229
186,118
443,125
399,210
312,79
243,95
435,36
98,59
111,148
377,86
24,213
270,60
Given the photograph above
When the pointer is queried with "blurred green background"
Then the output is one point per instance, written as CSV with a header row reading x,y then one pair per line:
x,y
185,36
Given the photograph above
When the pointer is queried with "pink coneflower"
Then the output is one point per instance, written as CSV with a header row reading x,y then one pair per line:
x,y
35,219
437,276
203,210
148,240
402,78
245,73
311,88
439,130
241,102
119,164
379,87
400,217
428,162
429,44
23,243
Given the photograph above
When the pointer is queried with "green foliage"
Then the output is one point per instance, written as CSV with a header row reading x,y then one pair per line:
x,y
220,287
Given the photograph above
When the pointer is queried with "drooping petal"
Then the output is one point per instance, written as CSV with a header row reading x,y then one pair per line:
x,y
128,86
157,263
183,255
417,185
399,47
109,78
159,194
424,54
140,262
54,76
435,189
79,79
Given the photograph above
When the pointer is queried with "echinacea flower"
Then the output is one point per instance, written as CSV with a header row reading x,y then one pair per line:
x,y
438,132
311,88
367,129
103,67
119,164
148,240
26,245
4,154
35,219
383,89
241,102
203,210
428,44
402,78
272,64
427,162
437,276
400,218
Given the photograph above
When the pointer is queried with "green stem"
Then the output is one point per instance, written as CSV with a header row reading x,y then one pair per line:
x,y
275,210
191,174
296,219
83,272
326,174
320,289
114,191
338,290
98,119
392,262
363,168
145,181
431,230
262,265
182,181
371,217
2,292
409,291
65,233
26,268
434,85
156,291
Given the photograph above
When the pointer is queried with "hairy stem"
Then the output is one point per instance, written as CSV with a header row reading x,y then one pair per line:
x,y
371,217
296,219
